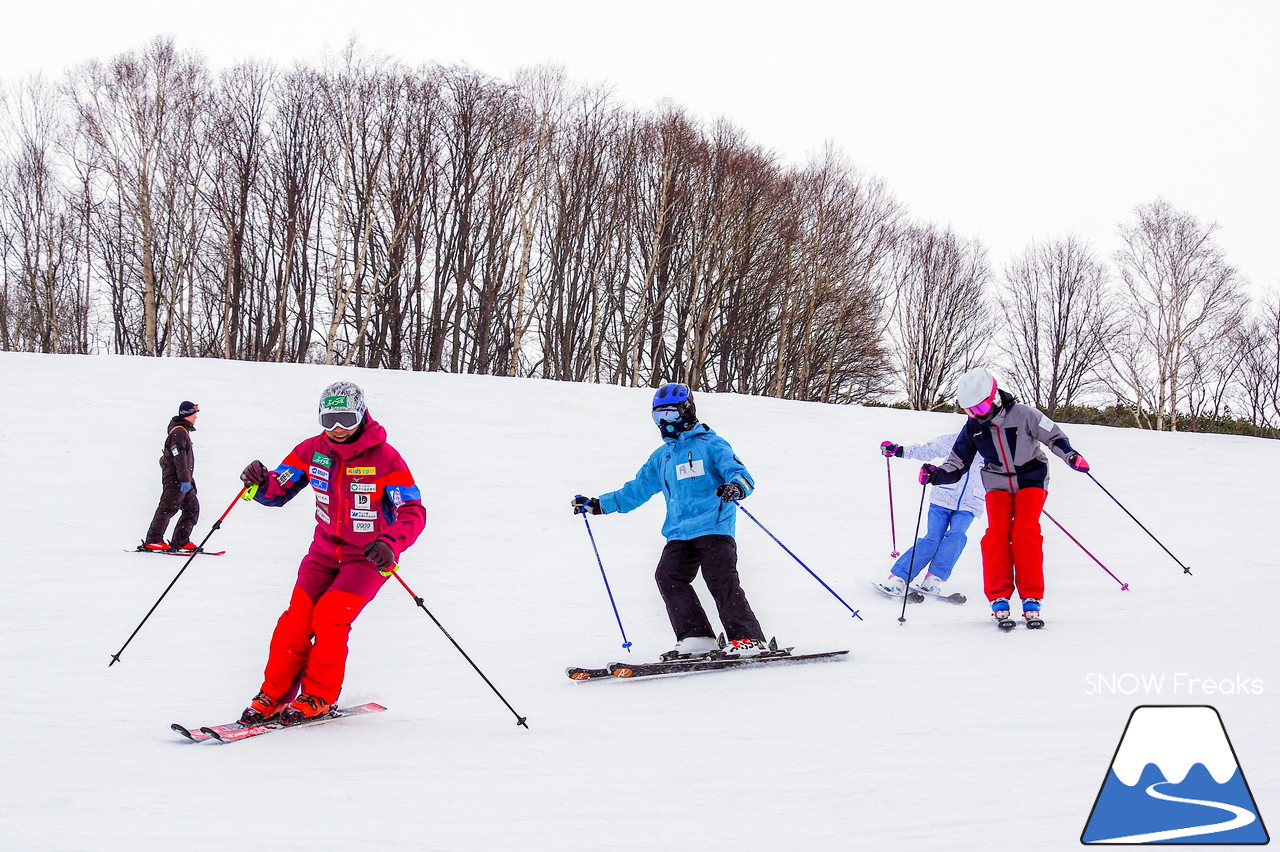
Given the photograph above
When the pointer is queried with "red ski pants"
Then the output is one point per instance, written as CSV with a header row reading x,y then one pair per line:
x,y
1013,549
310,642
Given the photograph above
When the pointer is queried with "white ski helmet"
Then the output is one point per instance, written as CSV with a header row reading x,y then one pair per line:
x,y
975,387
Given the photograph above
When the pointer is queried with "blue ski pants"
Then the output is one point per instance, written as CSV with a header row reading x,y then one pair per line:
x,y
940,546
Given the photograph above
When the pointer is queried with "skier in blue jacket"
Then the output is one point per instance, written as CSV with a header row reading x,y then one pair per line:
x,y
700,477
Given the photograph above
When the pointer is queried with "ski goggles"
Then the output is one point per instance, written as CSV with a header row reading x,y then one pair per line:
x,y
983,408
666,415
331,420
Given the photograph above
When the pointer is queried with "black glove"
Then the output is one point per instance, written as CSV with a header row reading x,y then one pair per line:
x,y
380,554
255,473
729,492
583,505
889,448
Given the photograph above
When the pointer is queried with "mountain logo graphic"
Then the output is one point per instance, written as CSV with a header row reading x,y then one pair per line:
x,y
1175,779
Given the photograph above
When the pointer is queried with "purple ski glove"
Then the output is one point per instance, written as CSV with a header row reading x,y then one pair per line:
x,y
1077,462
927,474
889,448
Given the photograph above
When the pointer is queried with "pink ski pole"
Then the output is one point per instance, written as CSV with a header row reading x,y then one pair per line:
x,y
1124,587
892,531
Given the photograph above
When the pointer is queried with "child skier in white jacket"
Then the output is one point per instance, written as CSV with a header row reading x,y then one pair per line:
x,y
952,508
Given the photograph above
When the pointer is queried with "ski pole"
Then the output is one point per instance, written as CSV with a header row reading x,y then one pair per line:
x,y
797,559
626,644
893,533
395,572
1124,587
911,569
1185,569
115,658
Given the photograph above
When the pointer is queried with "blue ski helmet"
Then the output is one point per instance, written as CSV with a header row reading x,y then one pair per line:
x,y
673,409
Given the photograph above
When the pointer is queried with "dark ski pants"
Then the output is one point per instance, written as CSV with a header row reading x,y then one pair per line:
x,y
171,500
718,557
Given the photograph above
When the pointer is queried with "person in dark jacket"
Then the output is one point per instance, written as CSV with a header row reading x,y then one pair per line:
x,y
177,479
1008,435
701,478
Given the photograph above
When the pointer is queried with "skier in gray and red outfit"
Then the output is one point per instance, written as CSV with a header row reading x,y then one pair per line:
x,y
1008,435
178,484
368,512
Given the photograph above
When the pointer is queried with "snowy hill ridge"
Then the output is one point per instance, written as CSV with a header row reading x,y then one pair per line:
x,y
922,738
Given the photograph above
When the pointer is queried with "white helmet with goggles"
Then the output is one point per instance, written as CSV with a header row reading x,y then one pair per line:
x,y
977,391
341,406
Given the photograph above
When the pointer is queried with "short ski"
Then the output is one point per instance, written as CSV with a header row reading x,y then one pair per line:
x,y
913,596
1006,623
577,673
1034,622
712,663
953,598
141,549
236,731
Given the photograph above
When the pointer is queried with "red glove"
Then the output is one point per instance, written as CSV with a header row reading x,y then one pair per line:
x,y
928,473
255,473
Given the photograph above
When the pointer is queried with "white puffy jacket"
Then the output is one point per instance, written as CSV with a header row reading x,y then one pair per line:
x,y
967,495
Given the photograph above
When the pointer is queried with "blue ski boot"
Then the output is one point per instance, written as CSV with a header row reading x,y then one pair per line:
x,y
1000,612
1031,612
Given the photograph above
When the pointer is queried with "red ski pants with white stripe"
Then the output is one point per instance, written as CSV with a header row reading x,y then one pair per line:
x,y
1013,548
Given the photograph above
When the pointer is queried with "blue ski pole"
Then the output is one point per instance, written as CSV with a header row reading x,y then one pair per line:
x,y
797,559
625,643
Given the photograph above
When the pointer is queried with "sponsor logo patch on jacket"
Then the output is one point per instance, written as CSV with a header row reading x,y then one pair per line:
x,y
322,460
363,487
361,501
362,526
364,515
318,472
322,498
362,471
320,484
322,515
689,469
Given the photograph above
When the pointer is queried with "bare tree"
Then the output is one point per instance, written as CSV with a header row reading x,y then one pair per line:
x,y
940,320
1060,317
1180,295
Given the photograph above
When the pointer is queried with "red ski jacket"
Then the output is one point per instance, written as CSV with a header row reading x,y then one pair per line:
x,y
363,491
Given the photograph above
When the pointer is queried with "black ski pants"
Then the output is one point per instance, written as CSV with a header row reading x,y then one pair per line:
x,y
171,500
717,555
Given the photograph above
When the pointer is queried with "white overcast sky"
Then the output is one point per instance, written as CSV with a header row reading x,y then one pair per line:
x,y
1008,121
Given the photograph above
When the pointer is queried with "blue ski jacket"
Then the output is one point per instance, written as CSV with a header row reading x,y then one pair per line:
x,y
687,470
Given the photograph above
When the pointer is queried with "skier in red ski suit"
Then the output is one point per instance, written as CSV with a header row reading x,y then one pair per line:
x,y
368,512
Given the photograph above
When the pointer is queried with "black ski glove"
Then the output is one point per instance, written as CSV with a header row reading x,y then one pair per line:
x,y
583,505
729,492
255,473
380,554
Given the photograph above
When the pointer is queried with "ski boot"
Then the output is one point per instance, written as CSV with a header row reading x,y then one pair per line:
x,y
1031,612
263,708
691,646
304,708
1000,612
745,648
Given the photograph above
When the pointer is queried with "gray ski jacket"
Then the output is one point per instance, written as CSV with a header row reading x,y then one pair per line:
x,y
1010,447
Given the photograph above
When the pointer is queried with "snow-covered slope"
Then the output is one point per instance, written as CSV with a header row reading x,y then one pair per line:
x,y
940,733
